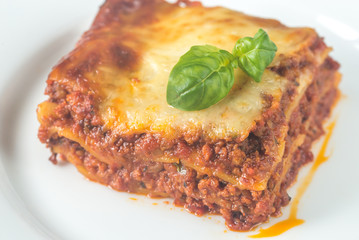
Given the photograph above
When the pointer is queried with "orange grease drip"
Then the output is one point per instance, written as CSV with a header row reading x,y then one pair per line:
x,y
292,220
133,199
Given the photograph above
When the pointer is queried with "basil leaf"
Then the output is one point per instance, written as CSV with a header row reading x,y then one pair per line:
x,y
202,77
254,54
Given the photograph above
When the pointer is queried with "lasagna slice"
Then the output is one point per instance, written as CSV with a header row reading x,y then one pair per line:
x,y
107,112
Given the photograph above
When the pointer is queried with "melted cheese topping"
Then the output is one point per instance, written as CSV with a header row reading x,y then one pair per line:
x,y
135,101
133,96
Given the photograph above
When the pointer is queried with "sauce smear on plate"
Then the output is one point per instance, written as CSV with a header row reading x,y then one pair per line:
x,y
292,220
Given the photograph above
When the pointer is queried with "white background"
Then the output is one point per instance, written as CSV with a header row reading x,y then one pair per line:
x,y
42,201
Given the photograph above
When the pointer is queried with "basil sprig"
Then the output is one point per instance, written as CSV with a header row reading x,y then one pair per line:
x,y
204,75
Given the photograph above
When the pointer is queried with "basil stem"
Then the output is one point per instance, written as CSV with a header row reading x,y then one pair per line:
x,y
204,75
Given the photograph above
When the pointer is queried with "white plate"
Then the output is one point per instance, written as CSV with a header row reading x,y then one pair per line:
x,y
41,201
